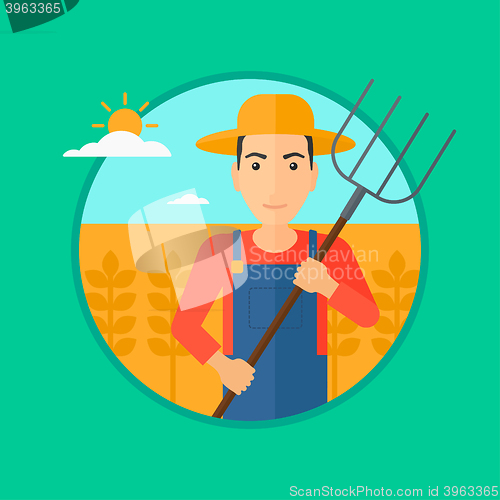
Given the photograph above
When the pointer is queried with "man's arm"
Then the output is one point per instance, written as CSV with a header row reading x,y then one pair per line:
x,y
341,281
205,281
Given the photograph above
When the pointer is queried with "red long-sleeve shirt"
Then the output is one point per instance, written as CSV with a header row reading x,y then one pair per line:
x,y
352,298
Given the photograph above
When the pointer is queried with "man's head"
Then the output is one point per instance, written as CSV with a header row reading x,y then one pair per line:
x,y
275,174
274,142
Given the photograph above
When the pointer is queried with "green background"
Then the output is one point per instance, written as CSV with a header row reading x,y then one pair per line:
x,y
74,427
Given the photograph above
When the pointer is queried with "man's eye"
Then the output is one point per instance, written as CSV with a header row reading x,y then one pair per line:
x,y
256,166
293,166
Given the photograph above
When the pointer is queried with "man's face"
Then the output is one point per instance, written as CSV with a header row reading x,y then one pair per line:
x,y
275,176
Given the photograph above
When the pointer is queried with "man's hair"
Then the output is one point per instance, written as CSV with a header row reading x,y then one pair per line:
x,y
239,148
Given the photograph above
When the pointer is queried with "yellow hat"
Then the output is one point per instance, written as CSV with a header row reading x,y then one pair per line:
x,y
274,114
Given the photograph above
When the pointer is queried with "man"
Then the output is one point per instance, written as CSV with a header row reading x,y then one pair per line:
x,y
274,144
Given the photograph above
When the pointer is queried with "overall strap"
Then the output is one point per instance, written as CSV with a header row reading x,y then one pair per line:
x,y
237,264
237,245
313,243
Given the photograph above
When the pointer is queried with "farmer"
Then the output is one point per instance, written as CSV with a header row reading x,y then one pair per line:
x,y
274,143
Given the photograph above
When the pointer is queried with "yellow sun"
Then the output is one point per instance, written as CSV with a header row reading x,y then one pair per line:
x,y
125,119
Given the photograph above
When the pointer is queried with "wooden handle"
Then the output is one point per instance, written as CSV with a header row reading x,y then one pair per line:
x,y
224,404
282,313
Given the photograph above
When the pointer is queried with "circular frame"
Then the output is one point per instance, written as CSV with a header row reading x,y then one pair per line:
x,y
424,260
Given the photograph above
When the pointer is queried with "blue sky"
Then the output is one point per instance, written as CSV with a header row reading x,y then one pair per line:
x,y
125,185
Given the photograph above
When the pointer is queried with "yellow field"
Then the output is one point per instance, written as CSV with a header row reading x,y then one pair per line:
x,y
140,308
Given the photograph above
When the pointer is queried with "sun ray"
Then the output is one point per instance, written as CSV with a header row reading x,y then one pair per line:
x,y
105,106
144,106
124,98
97,125
151,125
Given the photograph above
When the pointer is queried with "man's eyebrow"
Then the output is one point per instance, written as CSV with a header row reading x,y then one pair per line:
x,y
289,155
260,155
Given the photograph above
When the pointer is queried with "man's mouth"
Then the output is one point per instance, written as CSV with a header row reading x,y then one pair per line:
x,y
274,207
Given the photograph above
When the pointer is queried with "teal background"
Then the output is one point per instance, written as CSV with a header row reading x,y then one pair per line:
x,y
73,427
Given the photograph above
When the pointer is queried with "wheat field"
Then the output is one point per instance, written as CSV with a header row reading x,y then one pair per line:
x,y
134,311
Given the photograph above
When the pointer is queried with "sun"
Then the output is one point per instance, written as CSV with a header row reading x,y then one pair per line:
x,y
125,119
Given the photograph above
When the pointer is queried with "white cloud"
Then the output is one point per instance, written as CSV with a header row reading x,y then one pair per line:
x,y
120,144
189,199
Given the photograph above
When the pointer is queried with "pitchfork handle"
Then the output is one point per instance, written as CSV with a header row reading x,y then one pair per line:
x,y
285,309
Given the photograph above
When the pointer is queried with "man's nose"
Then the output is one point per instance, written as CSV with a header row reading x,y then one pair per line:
x,y
273,187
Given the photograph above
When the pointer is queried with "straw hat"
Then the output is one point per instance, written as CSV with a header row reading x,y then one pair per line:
x,y
274,114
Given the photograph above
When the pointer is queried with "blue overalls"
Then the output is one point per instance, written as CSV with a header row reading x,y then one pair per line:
x,y
290,376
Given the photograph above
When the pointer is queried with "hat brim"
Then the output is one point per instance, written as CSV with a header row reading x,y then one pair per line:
x,y
225,143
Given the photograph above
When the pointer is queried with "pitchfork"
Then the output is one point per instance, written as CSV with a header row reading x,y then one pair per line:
x,y
346,214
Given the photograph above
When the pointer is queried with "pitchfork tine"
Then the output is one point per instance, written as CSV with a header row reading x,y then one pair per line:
x,y
374,138
356,106
434,163
400,157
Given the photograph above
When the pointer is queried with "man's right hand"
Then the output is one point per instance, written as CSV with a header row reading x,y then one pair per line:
x,y
236,375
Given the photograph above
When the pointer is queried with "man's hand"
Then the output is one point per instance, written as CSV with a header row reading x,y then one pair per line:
x,y
236,375
312,276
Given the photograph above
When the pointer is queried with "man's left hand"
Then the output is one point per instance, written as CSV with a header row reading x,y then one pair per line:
x,y
312,276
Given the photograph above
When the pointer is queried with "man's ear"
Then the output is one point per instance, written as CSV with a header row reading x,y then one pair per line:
x,y
314,177
236,177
